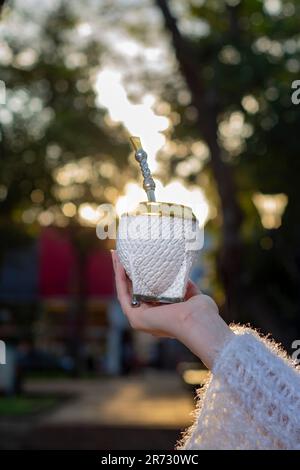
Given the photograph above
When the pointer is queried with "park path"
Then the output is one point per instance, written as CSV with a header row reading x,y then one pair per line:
x,y
147,411
151,399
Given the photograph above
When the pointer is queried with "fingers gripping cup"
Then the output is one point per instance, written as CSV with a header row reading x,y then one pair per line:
x,y
157,245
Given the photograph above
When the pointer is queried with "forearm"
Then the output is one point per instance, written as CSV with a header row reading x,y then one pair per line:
x,y
205,333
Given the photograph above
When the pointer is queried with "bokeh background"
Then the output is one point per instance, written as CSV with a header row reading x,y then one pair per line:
x,y
207,85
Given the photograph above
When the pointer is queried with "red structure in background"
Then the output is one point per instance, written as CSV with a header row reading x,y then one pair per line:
x,y
57,260
99,275
57,263
75,298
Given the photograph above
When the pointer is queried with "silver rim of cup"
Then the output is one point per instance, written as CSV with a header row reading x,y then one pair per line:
x,y
162,300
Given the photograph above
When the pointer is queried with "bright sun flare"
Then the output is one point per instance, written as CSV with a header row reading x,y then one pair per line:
x,y
141,120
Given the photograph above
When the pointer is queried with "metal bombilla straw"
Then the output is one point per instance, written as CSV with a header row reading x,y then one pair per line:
x,y
141,157
148,182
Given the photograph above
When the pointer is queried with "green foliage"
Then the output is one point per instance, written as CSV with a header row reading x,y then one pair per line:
x,y
51,120
247,58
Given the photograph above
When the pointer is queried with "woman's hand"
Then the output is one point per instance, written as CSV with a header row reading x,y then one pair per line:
x,y
195,322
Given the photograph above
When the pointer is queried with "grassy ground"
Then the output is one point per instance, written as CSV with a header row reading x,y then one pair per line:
x,y
24,406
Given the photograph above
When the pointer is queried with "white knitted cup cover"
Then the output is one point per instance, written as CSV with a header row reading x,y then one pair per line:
x,y
157,253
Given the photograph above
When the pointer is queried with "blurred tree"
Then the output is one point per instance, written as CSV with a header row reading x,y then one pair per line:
x,y
239,69
57,151
206,101
228,98
51,120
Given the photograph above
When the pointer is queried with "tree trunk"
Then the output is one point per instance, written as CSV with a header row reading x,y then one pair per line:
x,y
229,261
1,5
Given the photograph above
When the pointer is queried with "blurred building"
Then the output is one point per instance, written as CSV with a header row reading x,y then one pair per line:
x,y
58,306
50,301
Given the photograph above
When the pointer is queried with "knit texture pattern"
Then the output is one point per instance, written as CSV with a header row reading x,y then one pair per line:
x,y
252,400
158,253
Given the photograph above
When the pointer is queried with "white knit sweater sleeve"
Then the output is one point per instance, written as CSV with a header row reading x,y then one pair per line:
x,y
252,400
